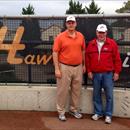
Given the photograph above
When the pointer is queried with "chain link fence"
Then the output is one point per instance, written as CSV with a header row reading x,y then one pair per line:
x,y
38,36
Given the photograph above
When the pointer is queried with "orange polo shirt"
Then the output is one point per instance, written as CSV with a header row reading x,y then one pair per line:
x,y
69,49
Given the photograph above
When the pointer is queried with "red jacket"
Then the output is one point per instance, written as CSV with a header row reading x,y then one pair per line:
x,y
108,60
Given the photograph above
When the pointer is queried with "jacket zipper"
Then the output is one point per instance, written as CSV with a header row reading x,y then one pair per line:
x,y
99,53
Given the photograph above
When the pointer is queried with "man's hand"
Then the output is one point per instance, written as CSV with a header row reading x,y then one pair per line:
x,y
58,73
90,75
115,76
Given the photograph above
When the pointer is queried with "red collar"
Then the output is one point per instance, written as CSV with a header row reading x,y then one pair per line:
x,y
94,42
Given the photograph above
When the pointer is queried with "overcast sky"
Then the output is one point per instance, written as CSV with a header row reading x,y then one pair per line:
x,y
53,7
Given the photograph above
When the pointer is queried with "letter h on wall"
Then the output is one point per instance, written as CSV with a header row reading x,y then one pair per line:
x,y
14,47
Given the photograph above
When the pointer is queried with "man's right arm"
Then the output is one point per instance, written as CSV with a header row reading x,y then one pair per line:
x,y
55,60
56,64
56,50
90,74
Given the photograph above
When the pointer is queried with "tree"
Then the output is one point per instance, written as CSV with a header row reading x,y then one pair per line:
x,y
93,8
28,10
125,8
75,8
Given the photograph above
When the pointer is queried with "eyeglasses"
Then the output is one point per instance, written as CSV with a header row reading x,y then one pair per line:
x,y
101,32
71,22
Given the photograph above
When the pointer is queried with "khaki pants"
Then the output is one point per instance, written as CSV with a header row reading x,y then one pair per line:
x,y
71,78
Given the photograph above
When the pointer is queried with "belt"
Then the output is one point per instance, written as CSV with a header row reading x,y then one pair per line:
x,y
70,65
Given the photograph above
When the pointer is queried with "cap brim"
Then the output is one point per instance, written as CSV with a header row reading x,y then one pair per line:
x,y
70,20
102,30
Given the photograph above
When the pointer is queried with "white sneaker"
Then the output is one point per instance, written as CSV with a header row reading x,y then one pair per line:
x,y
76,114
62,117
108,120
96,117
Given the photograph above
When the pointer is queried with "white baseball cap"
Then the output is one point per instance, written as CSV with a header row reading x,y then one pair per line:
x,y
70,18
101,28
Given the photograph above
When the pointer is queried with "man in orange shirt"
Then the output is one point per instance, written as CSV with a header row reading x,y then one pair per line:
x,y
69,57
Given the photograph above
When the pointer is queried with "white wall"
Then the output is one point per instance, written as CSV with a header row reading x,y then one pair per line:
x,y
42,98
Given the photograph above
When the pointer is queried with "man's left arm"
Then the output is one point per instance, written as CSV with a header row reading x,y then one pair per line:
x,y
117,62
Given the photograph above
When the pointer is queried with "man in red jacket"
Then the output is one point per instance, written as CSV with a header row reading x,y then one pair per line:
x,y
103,66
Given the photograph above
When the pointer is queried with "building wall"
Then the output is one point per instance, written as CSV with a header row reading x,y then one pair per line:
x,y
52,31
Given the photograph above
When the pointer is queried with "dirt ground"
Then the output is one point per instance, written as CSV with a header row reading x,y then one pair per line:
x,y
31,120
